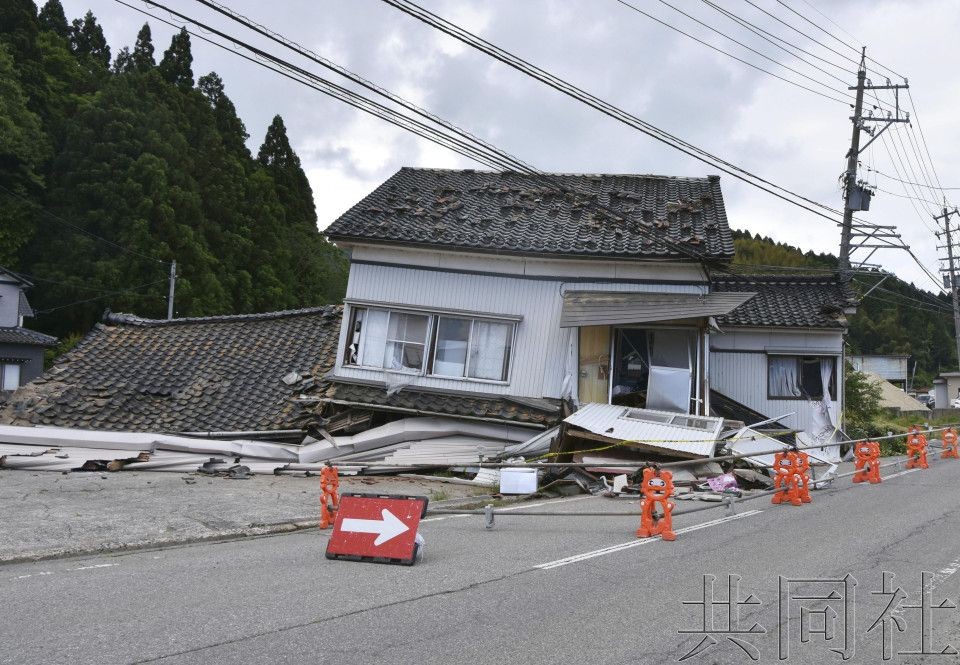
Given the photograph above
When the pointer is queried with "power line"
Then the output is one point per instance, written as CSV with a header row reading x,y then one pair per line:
x,y
907,182
824,30
507,162
738,59
75,227
463,35
802,33
776,40
830,20
108,295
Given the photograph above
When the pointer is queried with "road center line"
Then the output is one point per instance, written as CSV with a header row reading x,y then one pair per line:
x,y
576,558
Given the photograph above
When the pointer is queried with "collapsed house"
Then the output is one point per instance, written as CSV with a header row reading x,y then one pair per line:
x,y
484,318
476,294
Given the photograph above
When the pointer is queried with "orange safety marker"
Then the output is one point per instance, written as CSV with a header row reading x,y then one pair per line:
x,y
950,444
329,484
787,480
916,449
803,476
868,462
657,487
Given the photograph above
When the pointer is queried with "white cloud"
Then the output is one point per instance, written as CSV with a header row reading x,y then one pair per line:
x,y
788,136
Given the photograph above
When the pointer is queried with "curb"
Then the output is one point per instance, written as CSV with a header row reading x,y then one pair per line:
x,y
252,531
163,543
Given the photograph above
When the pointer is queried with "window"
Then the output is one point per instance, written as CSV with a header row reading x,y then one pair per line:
x,y
9,376
472,348
801,377
435,344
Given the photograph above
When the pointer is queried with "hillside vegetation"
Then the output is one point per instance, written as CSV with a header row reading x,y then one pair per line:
x,y
896,317
133,147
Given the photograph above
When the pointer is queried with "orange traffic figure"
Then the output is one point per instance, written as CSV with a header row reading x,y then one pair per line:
x,y
657,487
786,482
867,454
803,476
916,449
329,499
950,444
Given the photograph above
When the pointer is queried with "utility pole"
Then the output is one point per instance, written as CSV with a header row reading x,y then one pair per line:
x,y
173,288
855,196
850,177
951,270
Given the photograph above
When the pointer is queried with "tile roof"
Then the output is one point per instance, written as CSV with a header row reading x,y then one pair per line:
x,y
789,301
425,401
199,374
508,213
23,307
25,336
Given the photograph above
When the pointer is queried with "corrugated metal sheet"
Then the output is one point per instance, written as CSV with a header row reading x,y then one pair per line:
x,y
591,308
891,368
642,427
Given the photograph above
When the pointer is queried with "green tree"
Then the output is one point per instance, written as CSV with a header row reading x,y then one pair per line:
x,y
142,55
87,40
52,18
23,148
175,67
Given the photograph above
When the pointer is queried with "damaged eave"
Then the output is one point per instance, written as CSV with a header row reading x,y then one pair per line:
x,y
420,412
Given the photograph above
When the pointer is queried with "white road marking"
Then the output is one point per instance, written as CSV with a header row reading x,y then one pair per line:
x,y
69,570
23,577
899,473
576,558
517,507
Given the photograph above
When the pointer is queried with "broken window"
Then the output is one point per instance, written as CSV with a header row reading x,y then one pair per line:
x,y
406,341
801,377
654,368
459,347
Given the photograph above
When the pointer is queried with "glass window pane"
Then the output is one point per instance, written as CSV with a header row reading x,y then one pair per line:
x,y
407,327
782,376
374,337
490,350
450,358
11,376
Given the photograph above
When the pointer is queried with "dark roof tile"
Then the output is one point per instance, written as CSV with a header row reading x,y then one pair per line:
x,y
170,376
508,212
789,301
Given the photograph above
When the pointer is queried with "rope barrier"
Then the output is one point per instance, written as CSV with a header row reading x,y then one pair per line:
x,y
627,464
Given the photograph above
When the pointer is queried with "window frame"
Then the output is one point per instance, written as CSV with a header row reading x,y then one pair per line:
x,y
799,358
3,371
430,344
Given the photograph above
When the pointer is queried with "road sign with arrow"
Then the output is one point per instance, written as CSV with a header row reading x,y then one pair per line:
x,y
377,527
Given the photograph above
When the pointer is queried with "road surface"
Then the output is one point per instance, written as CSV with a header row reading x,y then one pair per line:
x,y
532,590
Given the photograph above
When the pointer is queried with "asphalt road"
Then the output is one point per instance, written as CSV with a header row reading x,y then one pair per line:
x,y
532,590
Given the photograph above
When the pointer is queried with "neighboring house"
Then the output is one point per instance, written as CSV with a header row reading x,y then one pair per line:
x,y
21,349
889,367
783,347
238,375
480,295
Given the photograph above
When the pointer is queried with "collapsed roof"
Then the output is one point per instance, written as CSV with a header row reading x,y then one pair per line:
x,y
223,373
510,212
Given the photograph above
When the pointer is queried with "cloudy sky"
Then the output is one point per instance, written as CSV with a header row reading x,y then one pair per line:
x,y
787,135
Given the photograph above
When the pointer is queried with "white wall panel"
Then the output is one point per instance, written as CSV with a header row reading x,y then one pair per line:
x,y
538,364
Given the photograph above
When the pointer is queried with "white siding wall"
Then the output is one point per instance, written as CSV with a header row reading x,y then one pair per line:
x,y
541,346
741,371
9,305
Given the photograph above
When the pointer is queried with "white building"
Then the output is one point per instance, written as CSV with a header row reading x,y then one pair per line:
x,y
483,295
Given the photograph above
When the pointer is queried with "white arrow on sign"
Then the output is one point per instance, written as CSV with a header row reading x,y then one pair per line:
x,y
387,528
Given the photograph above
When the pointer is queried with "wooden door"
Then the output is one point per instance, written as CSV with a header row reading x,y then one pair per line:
x,y
594,364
